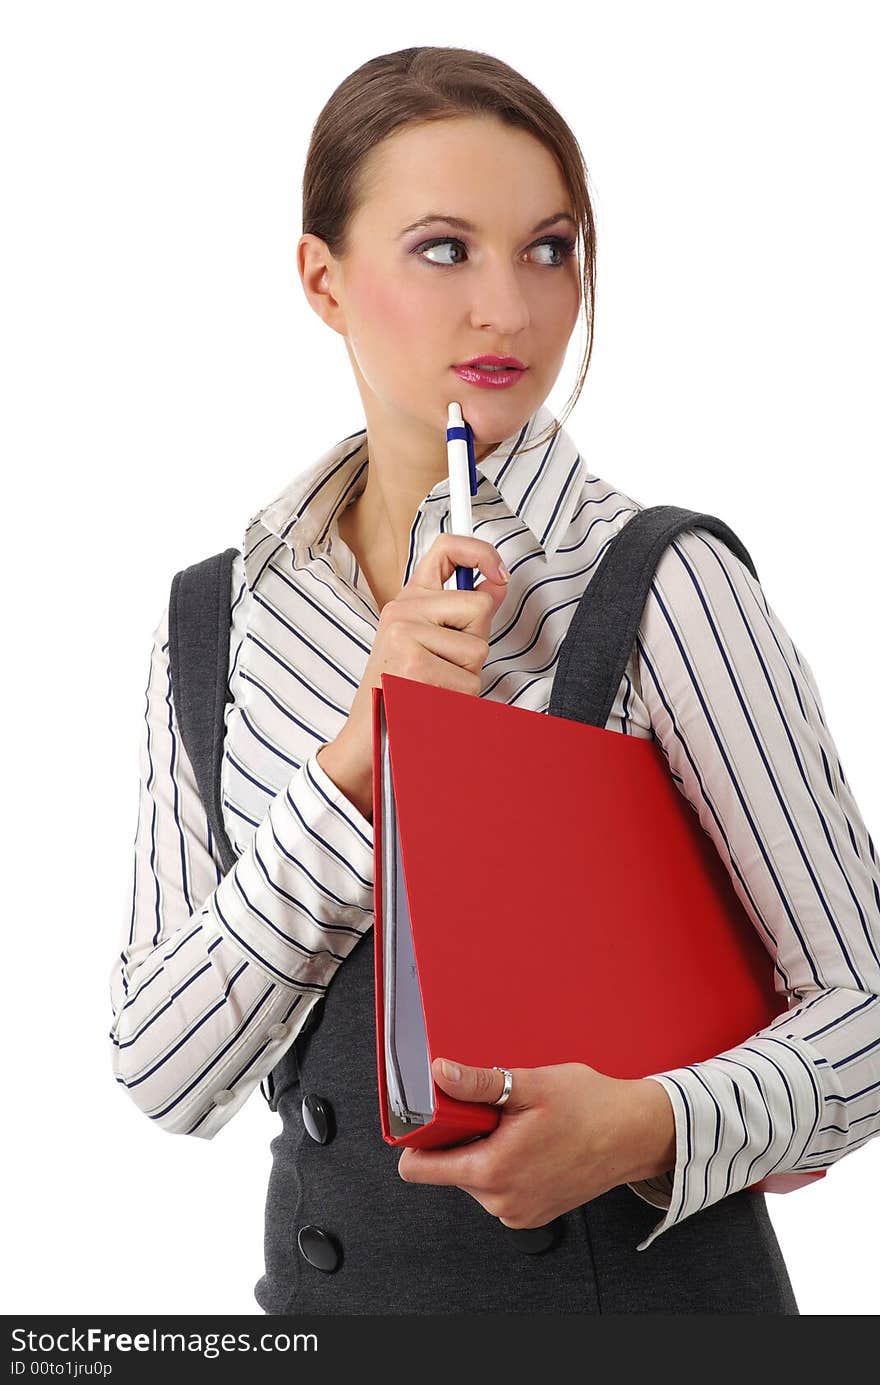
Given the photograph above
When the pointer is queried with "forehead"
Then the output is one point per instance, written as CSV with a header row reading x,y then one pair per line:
x,y
474,167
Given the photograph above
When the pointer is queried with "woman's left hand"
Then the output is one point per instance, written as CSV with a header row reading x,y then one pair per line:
x,y
567,1133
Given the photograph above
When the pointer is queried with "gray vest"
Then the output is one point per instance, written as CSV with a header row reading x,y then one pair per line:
x,y
343,1232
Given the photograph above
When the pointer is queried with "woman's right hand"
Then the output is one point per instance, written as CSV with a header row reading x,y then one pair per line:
x,y
426,633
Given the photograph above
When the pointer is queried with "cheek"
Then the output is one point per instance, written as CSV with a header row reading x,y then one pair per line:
x,y
389,310
557,309
395,327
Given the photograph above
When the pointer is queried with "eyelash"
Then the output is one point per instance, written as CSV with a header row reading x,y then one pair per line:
x,y
565,243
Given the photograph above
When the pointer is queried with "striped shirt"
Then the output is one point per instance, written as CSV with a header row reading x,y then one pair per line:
x,y
215,975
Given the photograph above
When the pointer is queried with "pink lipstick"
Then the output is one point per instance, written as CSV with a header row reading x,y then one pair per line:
x,y
491,372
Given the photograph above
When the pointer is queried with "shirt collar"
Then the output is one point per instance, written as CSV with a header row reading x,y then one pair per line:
x,y
541,486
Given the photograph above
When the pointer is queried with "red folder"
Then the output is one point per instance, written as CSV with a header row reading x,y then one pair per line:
x,y
562,903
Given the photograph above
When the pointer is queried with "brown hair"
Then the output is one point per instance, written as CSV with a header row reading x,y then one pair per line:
x,y
414,86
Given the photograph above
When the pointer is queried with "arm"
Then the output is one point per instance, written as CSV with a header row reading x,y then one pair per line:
x,y
737,713
215,975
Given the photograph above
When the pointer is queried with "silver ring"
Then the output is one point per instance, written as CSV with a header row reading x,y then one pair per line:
x,y
508,1083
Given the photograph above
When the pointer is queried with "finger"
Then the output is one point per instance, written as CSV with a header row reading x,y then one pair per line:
x,y
456,610
481,1084
454,674
450,642
450,551
451,1166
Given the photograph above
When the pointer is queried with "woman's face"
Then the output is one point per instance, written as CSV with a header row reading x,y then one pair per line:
x,y
410,310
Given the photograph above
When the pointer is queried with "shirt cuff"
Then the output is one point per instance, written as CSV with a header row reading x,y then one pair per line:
x,y
749,1112
656,1191
665,1191
331,790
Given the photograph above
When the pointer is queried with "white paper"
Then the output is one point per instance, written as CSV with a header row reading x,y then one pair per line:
x,y
407,1069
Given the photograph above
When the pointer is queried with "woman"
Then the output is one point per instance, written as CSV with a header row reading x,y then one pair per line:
x,y
445,205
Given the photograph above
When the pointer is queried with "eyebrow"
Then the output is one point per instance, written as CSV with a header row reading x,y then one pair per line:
x,y
463,225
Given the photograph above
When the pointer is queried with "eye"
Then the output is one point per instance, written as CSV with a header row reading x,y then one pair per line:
x,y
563,245
434,244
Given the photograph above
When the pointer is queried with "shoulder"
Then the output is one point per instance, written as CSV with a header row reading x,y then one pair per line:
x,y
700,584
706,636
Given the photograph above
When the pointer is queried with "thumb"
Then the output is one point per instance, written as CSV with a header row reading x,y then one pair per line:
x,y
498,591
480,1084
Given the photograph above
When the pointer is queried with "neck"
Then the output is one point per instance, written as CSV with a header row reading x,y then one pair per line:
x,y
403,468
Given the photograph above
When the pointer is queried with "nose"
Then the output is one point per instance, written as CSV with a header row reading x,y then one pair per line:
x,y
498,301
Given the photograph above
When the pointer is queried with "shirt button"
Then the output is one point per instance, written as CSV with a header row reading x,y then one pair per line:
x,y
319,1248
279,1031
317,1114
224,1097
532,1240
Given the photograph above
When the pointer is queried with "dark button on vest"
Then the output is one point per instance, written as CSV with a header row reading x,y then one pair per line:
x,y
319,1248
317,1114
532,1240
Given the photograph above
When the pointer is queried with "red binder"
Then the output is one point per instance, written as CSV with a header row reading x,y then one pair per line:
x,y
543,893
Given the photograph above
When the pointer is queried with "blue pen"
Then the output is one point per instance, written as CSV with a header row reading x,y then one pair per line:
x,y
462,484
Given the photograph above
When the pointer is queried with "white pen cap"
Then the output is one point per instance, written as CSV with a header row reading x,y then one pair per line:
x,y
460,518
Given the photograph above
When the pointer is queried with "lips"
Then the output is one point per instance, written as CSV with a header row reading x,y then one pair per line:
x,y
505,362
481,376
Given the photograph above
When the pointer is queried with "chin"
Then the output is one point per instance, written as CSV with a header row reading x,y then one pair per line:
x,y
494,419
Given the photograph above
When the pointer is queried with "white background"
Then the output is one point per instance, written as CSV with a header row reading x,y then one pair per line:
x,y
165,377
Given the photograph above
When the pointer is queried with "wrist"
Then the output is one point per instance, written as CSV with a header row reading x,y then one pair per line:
x,y
357,787
652,1142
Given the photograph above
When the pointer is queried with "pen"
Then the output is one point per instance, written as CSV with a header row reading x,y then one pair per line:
x,y
462,483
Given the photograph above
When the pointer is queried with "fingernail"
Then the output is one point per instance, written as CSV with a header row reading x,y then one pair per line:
x,y
451,1070
503,572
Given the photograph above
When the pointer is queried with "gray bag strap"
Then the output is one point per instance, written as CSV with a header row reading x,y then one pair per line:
x,y
600,638
199,622
199,625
